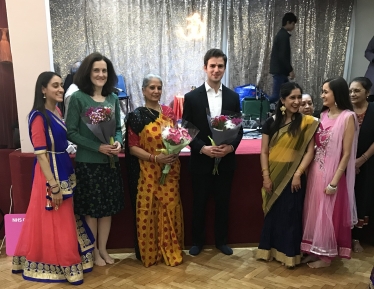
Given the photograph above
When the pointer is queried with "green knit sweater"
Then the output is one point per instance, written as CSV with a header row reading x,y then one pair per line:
x,y
78,132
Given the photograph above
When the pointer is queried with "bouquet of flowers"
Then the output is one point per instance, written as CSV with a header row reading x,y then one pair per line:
x,y
174,140
101,121
224,130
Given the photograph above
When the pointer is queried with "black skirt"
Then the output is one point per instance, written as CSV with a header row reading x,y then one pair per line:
x,y
99,191
282,231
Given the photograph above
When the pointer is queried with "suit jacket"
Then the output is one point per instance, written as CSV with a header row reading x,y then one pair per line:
x,y
195,111
369,54
280,60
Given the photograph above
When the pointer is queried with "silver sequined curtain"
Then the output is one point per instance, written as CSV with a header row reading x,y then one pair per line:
x,y
318,42
140,37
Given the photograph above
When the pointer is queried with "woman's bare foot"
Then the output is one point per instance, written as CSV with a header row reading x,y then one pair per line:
x,y
318,264
357,248
98,261
107,259
309,258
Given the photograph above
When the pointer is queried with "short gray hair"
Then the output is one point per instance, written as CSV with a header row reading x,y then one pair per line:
x,y
307,94
148,77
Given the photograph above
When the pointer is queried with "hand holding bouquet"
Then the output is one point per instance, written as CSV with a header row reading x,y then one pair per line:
x,y
224,130
101,121
174,140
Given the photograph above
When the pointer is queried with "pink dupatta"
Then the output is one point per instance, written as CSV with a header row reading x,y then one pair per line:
x,y
333,156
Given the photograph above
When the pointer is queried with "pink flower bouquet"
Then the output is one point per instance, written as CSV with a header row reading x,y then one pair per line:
x,y
174,140
225,129
101,121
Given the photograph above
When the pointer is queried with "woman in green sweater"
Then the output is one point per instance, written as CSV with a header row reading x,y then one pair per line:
x,y
93,124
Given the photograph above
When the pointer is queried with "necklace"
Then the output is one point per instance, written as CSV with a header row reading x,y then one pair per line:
x,y
159,110
361,110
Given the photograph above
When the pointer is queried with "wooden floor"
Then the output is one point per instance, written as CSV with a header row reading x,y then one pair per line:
x,y
212,269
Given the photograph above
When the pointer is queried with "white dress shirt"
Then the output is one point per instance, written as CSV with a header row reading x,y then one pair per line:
x,y
214,100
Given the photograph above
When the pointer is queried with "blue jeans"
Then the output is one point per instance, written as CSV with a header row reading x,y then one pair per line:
x,y
278,80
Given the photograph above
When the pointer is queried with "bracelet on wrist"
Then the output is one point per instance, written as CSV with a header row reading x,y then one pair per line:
x,y
55,193
265,169
298,173
332,188
364,157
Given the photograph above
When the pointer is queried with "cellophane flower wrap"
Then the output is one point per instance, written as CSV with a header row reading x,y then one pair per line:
x,y
101,121
175,138
225,129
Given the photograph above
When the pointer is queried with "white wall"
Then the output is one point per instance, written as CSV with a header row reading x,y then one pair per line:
x,y
364,31
30,42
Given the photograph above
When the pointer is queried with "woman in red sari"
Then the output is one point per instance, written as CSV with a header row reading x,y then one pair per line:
x,y
47,250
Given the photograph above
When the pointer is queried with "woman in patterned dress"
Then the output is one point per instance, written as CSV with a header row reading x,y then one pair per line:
x,y
47,250
330,209
99,194
158,208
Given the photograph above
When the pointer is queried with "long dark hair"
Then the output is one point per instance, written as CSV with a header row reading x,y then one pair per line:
x,y
340,89
82,77
39,101
285,91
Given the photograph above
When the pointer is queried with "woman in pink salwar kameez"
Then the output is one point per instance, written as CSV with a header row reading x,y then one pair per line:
x,y
329,208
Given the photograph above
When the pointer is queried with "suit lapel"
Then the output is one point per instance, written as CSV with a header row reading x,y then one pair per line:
x,y
225,101
204,97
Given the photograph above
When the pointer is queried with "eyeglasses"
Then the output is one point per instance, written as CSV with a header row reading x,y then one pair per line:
x,y
355,91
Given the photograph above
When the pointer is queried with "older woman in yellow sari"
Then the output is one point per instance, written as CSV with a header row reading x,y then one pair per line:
x,y
287,149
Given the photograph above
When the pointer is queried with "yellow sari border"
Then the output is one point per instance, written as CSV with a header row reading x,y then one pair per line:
x,y
267,255
286,153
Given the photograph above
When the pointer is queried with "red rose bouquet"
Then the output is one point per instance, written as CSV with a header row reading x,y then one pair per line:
x,y
225,129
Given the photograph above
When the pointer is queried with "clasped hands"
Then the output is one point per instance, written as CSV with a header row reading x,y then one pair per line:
x,y
167,159
217,151
110,150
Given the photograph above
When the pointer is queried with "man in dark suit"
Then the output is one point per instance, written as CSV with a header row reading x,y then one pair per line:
x,y
216,98
280,60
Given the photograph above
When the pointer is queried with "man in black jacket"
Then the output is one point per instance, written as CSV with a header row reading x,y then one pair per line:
x,y
216,98
280,61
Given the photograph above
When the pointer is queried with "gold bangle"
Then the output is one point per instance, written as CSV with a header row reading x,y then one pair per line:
x,y
264,170
365,157
265,175
341,170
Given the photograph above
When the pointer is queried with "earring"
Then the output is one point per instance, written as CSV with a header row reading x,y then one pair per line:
x,y
283,109
44,95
